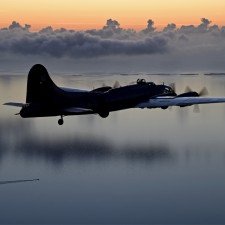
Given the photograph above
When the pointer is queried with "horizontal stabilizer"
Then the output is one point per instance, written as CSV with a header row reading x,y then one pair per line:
x,y
16,104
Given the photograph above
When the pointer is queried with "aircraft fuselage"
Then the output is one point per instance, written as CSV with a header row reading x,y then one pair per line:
x,y
100,102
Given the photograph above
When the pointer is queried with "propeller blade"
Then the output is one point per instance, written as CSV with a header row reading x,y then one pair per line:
x,y
103,84
196,109
116,84
203,92
188,89
173,86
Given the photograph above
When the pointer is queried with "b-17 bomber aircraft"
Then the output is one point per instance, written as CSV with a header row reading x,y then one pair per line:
x,y
44,98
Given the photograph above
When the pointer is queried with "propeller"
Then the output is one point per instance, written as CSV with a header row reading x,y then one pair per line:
x,y
189,92
188,89
116,84
103,84
173,86
196,109
202,92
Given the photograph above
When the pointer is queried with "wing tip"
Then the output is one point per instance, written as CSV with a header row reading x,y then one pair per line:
x,y
16,104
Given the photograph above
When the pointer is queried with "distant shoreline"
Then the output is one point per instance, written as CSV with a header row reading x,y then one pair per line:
x,y
211,74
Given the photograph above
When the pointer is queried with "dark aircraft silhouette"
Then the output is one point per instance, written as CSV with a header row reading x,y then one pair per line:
x,y
45,99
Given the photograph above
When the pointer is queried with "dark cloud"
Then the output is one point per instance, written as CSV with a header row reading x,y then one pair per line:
x,y
48,29
170,27
112,24
112,30
64,43
190,44
150,27
204,25
214,28
16,25
187,29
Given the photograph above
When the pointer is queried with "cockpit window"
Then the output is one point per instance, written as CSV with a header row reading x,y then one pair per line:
x,y
151,83
143,81
168,90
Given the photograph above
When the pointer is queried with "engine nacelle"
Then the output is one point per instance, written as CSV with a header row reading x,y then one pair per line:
x,y
189,94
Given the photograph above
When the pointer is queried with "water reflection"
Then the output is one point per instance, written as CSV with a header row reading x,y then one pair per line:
x,y
137,166
29,145
86,149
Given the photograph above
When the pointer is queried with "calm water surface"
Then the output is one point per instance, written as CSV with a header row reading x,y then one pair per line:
x,y
136,166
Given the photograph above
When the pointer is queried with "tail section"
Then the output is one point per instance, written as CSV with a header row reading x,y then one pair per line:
x,y
40,87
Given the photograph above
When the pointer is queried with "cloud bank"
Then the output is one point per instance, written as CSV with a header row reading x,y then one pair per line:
x,y
110,40
188,45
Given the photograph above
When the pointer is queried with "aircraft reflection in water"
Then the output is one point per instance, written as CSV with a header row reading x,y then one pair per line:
x,y
45,99
29,146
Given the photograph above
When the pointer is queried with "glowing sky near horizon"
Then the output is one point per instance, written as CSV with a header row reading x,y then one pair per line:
x,y
90,14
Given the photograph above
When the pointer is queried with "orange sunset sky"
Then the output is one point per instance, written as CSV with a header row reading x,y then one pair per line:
x,y
90,14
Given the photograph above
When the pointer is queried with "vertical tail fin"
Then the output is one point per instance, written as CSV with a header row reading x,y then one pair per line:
x,y
40,87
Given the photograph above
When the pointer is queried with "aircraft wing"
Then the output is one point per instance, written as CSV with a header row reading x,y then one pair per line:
x,y
73,89
16,104
63,111
76,111
159,102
